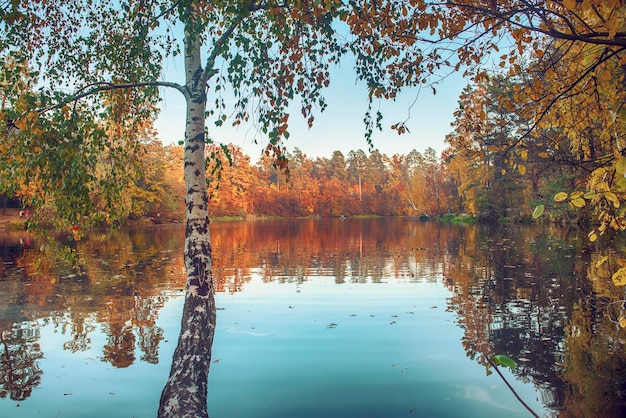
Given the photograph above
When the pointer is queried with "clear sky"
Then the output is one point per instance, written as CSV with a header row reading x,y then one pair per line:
x,y
340,126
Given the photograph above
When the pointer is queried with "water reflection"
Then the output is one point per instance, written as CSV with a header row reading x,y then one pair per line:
x,y
536,294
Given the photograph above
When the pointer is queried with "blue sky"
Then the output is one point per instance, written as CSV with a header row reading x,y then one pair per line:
x,y
340,126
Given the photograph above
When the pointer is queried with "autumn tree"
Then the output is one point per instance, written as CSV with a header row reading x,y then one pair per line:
x,y
484,128
571,56
230,179
266,54
426,193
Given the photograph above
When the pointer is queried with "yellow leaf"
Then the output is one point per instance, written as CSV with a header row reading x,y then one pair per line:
x,y
538,212
522,169
543,155
575,195
524,154
619,277
611,197
503,171
620,165
578,202
622,321
593,236
560,196
602,261
620,184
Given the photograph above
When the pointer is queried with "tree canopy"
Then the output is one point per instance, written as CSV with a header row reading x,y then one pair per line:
x,y
81,78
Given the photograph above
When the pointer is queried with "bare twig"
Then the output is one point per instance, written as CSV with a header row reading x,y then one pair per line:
x,y
511,388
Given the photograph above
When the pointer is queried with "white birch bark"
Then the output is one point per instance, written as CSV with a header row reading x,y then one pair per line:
x,y
185,394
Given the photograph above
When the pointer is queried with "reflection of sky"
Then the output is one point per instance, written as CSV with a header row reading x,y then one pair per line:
x,y
322,349
294,350
340,127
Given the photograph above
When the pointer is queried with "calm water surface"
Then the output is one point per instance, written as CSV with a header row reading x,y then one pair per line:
x,y
341,318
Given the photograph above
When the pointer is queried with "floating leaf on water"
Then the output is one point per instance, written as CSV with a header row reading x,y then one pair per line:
x,y
502,360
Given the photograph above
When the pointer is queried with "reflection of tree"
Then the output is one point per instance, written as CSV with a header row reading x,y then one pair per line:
x,y
80,334
19,368
519,291
119,279
150,335
120,349
513,292
353,250
595,364
595,357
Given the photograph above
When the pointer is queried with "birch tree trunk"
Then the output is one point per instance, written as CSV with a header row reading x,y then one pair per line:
x,y
185,394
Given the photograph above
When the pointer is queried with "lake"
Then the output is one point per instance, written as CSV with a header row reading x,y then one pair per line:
x,y
334,318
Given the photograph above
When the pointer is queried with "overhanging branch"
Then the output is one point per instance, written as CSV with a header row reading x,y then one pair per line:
x,y
93,88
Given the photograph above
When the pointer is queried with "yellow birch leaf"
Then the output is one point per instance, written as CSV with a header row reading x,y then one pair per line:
x,y
620,184
503,171
602,261
619,277
543,155
620,165
522,169
578,202
560,196
593,236
611,197
622,321
524,154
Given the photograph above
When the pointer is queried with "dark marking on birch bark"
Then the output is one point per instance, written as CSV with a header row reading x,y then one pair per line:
x,y
199,99
197,138
185,394
193,148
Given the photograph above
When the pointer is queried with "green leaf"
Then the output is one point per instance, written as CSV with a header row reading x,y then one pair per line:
x,y
502,360
538,211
